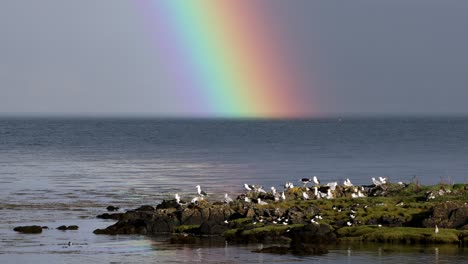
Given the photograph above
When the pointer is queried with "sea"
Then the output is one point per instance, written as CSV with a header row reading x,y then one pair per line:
x,y
66,170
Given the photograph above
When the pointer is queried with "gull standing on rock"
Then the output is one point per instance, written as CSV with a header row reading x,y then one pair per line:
x,y
200,192
227,199
376,182
305,181
347,183
260,202
316,180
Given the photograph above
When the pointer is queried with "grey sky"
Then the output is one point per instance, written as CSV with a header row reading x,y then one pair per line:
x,y
374,56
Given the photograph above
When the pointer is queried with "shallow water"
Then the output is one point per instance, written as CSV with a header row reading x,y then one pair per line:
x,y
66,171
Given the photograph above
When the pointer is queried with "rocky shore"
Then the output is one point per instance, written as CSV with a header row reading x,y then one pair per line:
x,y
305,220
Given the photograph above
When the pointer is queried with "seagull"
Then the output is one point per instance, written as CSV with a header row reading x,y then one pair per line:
x,y
283,196
194,200
349,223
383,180
305,181
436,230
260,189
273,190
332,185
376,182
316,194
360,194
248,187
347,183
260,202
200,192
247,200
177,198
316,180
227,199
305,195
288,185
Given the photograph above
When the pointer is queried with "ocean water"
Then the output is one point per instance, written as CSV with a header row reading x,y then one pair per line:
x,y
56,171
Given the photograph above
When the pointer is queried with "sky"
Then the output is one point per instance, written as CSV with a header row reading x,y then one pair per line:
x,y
352,57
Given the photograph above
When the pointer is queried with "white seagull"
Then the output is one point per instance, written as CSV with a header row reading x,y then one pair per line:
x,y
383,180
200,192
248,187
436,230
227,199
316,180
347,183
376,182
260,202
305,195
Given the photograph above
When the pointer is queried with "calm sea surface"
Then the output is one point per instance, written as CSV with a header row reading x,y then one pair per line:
x,y
65,171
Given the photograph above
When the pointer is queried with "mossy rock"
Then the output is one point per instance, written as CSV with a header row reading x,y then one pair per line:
x,y
191,229
408,235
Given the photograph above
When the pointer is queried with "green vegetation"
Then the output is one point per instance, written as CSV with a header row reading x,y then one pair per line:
x,y
401,235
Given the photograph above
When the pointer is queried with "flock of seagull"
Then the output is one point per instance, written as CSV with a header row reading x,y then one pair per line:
x,y
319,191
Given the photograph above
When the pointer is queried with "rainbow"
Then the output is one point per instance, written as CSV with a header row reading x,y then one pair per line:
x,y
223,58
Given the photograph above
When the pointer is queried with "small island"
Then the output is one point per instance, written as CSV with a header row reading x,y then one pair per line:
x,y
304,220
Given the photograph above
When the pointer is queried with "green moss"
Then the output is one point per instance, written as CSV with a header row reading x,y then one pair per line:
x,y
276,229
400,234
187,229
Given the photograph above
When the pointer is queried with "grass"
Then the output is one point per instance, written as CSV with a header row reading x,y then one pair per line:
x,y
409,235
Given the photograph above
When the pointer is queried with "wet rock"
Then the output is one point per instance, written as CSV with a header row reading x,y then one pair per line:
x,y
299,248
34,229
213,228
312,234
111,208
166,204
116,216
72,227
182,239
145,208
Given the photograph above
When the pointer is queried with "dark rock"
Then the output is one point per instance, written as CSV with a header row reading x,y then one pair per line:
x,y
145,208
182,239
213,228
72,227
111,208
450,214
116,216
313,234
34,229
299,248
168,204
44,227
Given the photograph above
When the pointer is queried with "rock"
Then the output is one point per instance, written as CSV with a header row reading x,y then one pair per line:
x,y
450,214
182,239
116,216
145,208
34,229
168,204
299,248
72,227
213,228
312,234
111,208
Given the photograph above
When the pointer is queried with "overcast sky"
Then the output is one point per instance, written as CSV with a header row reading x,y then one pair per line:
x,y
373,56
